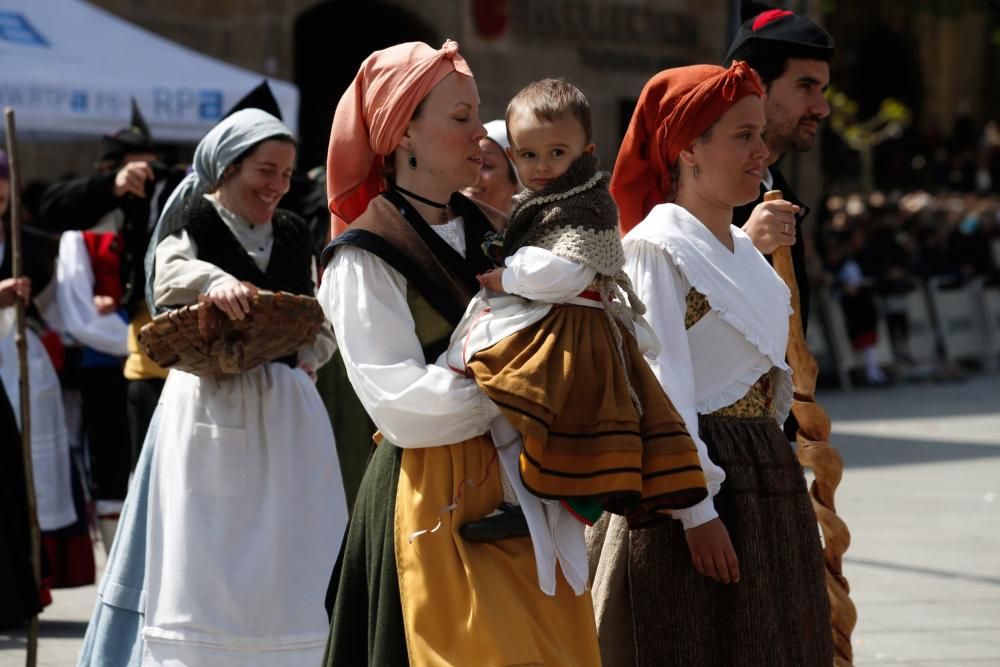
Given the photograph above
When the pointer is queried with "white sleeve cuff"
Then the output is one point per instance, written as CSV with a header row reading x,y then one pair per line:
x,y
507,281
309,357
692,517
216,279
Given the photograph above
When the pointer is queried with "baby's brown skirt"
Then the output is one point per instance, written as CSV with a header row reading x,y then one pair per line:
x,y
561,384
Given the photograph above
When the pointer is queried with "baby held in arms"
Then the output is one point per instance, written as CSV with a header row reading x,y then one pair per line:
x,y
556,339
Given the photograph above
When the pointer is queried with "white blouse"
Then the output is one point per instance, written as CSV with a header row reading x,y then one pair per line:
x,y
453,233
181,277
714,363
413,403
77,313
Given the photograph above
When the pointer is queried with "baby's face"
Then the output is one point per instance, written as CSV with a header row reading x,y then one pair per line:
x,y
543,151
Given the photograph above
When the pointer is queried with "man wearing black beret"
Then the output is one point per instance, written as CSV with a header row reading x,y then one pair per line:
x,y
792,55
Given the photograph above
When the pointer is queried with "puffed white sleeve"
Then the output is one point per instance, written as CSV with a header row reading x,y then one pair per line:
x,y
413,403
662,288
75,295
325,344
540,275
180,276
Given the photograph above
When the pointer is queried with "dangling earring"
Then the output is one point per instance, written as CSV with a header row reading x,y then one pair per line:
x,y
697,171
412,161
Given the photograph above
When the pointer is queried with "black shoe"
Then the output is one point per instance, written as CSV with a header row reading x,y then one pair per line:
x,y
508,523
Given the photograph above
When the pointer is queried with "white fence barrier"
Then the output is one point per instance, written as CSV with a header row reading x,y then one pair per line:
x,y
944,324
922,341
990,304
960,320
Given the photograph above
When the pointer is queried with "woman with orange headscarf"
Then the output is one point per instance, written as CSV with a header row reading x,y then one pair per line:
x,y
742,571
407,589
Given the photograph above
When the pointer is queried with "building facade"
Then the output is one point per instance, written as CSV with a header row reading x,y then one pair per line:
x,y
609,48
936,56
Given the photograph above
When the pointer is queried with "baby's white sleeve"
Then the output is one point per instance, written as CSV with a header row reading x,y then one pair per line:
x,y
540,275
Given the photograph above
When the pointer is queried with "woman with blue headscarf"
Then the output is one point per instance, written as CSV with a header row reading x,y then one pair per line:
x,y
237,504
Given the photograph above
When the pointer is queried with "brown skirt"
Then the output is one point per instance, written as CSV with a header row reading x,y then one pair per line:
x,y
562,386
779,613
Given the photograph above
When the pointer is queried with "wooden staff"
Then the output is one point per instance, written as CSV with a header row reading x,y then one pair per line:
x,y
21,341
815,451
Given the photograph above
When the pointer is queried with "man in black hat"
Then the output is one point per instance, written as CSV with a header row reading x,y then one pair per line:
x,y
792,55
124,197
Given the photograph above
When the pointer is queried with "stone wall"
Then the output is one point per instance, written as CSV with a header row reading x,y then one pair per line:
x,y
607,47
256,34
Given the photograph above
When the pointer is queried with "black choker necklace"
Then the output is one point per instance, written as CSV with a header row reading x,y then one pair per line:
x,y
422,200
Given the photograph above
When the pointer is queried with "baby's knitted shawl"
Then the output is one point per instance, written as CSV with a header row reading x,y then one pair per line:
x,y
574,217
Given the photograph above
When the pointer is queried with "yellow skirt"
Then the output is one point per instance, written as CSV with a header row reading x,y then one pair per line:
x,y
562,386
469,603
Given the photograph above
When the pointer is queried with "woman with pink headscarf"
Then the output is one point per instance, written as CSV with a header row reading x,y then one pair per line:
x,y
407,589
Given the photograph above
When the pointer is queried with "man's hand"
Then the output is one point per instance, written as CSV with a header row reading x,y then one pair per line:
x,y
771,225
131,179
12,289
233,298
712,552
492,280
104,304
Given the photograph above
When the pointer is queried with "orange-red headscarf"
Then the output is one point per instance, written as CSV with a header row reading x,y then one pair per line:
x,y
675,108
372,116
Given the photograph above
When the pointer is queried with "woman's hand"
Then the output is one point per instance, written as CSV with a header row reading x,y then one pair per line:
x,y
492,280
14,288
712,552
233,298
105,304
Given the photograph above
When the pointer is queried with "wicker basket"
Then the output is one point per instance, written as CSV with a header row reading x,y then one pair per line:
x,y
201,339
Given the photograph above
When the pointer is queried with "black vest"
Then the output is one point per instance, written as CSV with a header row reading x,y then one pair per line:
x,y
290,266
429,288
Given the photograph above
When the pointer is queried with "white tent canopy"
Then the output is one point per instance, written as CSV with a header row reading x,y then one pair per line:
x,y
70,69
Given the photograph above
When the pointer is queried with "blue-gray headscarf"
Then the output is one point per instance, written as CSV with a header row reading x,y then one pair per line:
x,y
224,143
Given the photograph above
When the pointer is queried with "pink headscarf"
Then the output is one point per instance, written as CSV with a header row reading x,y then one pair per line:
x,y
372,116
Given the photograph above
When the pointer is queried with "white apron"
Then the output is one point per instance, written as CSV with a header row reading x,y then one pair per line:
x,y
49,438
246,515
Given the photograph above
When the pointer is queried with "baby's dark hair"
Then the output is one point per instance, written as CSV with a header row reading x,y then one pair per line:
x,y
551,100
